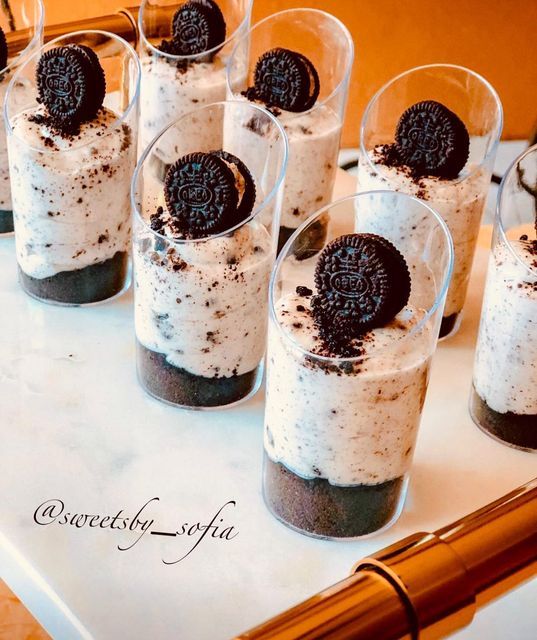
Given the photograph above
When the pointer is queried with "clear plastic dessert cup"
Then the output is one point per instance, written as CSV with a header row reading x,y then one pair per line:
x,y
340,432
27,18
173,85
503,400
201,304
71,193
314,135
460,201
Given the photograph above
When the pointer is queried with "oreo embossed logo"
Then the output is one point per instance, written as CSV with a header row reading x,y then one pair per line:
x,y
200,194
197,26
432,140
362,282
286,79
59,85
195,195
70,83
352,285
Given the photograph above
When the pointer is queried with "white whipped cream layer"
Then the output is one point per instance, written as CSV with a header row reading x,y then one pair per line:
x,y
168,92
71,195
460,203
21,96
505,372
204,304
348,427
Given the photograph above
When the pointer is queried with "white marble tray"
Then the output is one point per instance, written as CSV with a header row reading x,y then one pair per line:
x,y
76,426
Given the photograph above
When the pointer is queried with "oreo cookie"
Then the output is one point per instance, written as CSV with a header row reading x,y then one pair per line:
x,y
201,195
197,26
98,92
432,140
71,84
3,49
247,189
287,80
362,282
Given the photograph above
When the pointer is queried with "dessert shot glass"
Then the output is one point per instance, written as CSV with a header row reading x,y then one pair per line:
x,y
503,400
314,135
71,193
340,432
26,17
201,305
460,200
172,84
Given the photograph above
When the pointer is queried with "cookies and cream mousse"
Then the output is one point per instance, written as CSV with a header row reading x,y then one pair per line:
x,y
23,95
287,83
200,293
504,400
431,149
172,85
347,376
70,176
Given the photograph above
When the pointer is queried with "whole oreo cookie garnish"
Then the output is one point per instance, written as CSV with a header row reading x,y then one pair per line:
x,y
362,282
287,80
3,49
201,195
247,189
70,83
432,140
197,26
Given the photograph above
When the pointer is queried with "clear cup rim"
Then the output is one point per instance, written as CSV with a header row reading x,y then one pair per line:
x,y
38,27
255,212
196,56
437,65
112,126
415,329
344,79
499,202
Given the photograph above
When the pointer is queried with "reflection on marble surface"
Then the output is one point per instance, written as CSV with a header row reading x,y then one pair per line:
x,y
76,426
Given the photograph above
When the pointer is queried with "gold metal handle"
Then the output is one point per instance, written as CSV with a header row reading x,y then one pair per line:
x,y
426,586
123,23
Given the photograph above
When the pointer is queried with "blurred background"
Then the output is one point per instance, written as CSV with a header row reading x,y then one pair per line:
x,y
496,38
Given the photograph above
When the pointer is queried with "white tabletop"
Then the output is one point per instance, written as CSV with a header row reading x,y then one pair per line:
x,y
76,427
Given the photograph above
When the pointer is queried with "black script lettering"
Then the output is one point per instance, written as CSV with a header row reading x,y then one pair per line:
x,y
48,511
145,525
201,528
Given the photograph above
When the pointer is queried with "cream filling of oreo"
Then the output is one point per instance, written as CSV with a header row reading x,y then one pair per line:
x,y
351,426
240,182
505,372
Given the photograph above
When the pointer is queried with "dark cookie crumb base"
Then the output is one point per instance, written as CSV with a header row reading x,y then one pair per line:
x,y
93,283
448,324
516,429
6,221
177,386
309,244
320,508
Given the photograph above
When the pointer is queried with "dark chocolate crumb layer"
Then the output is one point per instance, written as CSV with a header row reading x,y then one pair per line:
x,y
515,429
178,386
448,324
93,283
309,244
6,221
317,507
